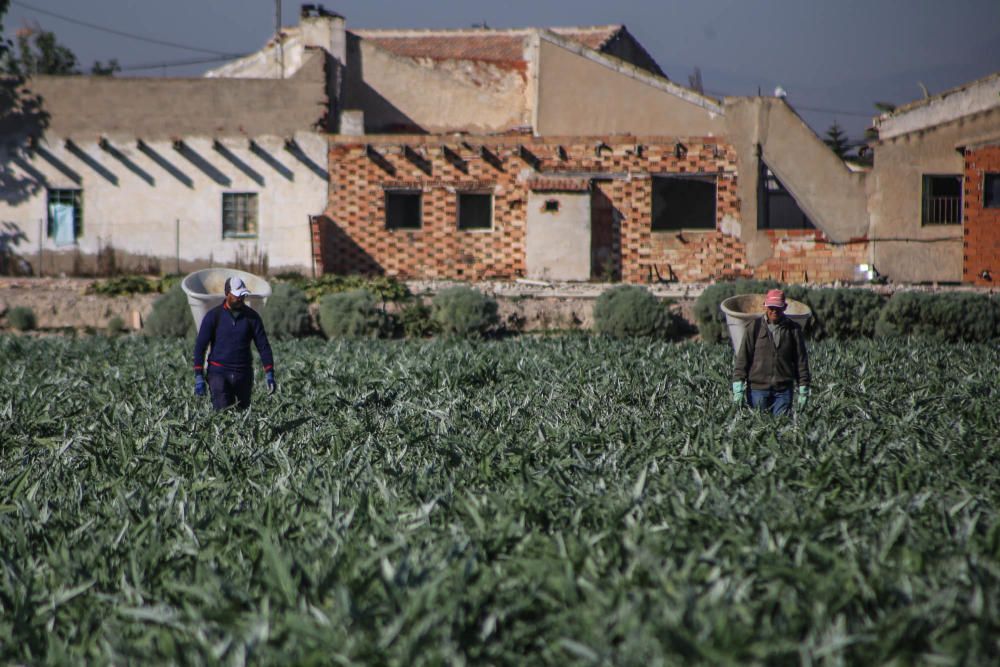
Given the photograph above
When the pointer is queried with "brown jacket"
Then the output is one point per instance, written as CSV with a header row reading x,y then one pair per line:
x,y
767,367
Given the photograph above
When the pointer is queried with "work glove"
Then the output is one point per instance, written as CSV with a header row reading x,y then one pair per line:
x,y
271,384
803,396
199,384
739,392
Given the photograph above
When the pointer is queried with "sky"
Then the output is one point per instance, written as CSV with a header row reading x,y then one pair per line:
x,y
834,59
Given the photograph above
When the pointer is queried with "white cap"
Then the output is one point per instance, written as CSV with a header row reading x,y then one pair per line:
x,y
237,287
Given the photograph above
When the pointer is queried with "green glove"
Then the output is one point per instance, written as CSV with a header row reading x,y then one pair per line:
x,y
739,391
803,396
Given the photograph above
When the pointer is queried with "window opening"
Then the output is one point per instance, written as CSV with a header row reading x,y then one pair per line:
x,y
776,207
239,215
402,210
941,203
991,191
475,210
65,216
683,203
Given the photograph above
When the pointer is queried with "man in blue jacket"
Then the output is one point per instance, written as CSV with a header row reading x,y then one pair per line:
x,y
228,329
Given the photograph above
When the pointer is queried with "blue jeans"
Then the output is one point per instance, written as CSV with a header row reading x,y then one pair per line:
x,y
779,402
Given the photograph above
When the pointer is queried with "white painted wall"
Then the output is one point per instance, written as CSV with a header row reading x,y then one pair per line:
x,y
137,217
558,244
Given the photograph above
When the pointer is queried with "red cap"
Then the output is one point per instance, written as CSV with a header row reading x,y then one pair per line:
x,y
775,299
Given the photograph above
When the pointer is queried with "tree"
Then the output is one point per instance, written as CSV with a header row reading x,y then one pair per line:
x,y
837,140
38,52
102,69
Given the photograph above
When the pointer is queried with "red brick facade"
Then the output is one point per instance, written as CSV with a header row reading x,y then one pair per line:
x,y
353,238
981,256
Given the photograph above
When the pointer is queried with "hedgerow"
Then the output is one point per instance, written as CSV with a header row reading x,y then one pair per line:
x,y
171,316
463,311
627,311
951,316
286,313
351,314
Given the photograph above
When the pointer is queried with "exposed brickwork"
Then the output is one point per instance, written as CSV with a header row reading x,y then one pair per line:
x,y
981,225
809,256
356,239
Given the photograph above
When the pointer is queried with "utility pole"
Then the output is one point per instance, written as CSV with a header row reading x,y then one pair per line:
x,y
277,36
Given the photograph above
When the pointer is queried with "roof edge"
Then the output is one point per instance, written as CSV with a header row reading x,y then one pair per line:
x,y
628,69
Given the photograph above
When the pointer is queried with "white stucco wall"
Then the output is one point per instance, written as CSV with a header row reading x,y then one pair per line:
x,y
558,243
138,214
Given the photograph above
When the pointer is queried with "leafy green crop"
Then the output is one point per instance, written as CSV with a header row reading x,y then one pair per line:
x,y
572,500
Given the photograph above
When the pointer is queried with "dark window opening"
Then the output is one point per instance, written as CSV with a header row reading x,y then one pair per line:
x,y
683,203
402,210
776,207
475,211
941,203
65,216
551,206
991,191
239,215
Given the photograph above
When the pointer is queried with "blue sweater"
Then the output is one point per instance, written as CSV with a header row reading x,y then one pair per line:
x,y
229,333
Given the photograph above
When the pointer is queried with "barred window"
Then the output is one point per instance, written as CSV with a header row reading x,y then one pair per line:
x,y
239,215
941,203
65,215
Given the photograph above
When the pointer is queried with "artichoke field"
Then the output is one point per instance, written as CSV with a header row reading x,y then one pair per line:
x,y
551,501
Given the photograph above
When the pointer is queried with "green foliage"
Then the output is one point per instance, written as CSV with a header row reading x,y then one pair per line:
x,y
415,321
626,311
952,316
38,52
123,286
351,314
840,313
116,326
837,140
167,282
171,316
383,287
711,321
286,314
578,500
21,318
463,312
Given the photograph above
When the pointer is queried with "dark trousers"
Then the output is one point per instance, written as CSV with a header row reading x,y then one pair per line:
x,y
229,387
778,401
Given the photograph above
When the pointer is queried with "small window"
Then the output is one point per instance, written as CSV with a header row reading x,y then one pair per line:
x,y
942,200
683,203
991,191
65,209
239,215
475,211
551,206
402,210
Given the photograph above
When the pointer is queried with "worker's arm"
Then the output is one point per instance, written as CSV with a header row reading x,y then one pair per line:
x,y
201,344
802,362
264,350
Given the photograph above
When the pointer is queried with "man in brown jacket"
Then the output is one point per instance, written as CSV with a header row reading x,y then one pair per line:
x,y
773,359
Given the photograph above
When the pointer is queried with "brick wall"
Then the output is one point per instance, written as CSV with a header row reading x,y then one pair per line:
x,y
981,225
352,237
